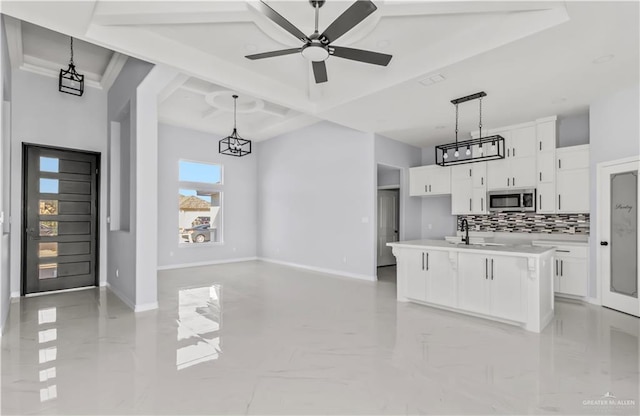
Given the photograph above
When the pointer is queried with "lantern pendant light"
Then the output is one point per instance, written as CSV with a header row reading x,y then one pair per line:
x,y
70,81
234,145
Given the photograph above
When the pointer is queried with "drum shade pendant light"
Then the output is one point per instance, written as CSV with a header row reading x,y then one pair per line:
x,y
70,81
234,145
474,150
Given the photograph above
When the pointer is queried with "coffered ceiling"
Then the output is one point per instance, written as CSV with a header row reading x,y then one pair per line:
x,y
534,59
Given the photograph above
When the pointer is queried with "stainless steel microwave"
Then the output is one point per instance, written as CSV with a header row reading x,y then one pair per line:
x,y
515,200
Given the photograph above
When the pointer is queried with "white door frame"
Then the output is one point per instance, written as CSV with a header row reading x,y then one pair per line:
x,y
600,220
374,223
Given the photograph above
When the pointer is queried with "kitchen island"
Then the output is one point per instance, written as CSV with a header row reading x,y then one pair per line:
x,y
507,283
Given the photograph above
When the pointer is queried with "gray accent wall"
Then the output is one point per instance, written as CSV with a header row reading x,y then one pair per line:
x,y
614,123
316,199
573,130
42,115
400,155
121,245
239,199
437,221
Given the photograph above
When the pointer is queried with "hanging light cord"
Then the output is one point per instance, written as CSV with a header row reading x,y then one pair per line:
x,y
71,61
480,124
235,100
456,126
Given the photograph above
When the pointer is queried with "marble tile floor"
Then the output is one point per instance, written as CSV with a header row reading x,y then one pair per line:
x,y
259,338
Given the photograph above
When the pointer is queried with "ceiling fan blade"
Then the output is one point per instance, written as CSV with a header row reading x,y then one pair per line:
x,y
355,14
273,53
281,21
319,71
361,55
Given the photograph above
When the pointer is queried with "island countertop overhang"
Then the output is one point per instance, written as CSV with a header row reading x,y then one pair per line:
x,y
502,250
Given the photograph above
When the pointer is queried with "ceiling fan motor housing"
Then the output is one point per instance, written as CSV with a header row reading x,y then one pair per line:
x,y
315,51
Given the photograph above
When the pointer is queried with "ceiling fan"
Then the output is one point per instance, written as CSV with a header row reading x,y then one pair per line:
x,y
318,47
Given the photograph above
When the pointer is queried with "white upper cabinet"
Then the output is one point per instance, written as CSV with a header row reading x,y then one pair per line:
x,y
522,142
546,165
468,188
519,172
572,179
429,180
546,132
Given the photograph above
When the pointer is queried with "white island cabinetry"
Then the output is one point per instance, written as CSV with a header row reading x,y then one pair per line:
x,y
508,284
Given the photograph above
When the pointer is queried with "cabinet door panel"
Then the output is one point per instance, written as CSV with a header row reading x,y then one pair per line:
x,y
479,204
546,172
479,175
506,296
497,173
546,133
523,172
523,142
417,181
440,281
573,279
416,276
575,157
440,180
546,195
461,196
472,283
572,187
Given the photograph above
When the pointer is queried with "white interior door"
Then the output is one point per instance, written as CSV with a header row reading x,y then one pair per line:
x,y
388,223
618,223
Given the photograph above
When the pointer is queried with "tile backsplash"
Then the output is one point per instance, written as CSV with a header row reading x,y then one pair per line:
x,y
520,222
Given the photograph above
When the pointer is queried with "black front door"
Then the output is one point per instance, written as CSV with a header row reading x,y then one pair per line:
x,y
60,219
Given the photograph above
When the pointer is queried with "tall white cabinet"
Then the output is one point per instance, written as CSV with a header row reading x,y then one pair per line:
x,y
572,179
546,165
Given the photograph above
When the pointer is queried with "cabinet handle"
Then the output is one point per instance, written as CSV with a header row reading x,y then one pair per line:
x,y
559,163
423,260
491,269
561,263
514,152
556,267
540,144
429,188
427,261
514,181
486,269
470,204
540,176
482,204
508,179
469,172
508,150
559,201
563,251
425,188
540,203
482,180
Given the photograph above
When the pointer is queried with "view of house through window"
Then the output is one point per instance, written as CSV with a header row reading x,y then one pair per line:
x,y
200,203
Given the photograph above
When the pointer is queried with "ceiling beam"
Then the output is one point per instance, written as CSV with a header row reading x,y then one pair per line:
x,y
112,70
13,28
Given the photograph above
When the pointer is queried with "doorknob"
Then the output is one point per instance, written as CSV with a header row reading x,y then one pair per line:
x,y
604,243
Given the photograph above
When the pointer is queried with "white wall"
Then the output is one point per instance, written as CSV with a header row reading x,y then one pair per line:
x,y
437,221
239,200
121,245
614,134
43,115
5,176
401,155
316,199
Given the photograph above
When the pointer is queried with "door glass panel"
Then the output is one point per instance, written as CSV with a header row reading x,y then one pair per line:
x,y
48,186
48,228
48,207
47,249
49,164
624,233
48,271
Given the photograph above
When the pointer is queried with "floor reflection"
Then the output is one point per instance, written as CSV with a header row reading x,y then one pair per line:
x,y
199,324
47,353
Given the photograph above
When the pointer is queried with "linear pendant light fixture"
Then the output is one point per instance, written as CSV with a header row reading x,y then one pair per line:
x,y
234,145
474,150
70,81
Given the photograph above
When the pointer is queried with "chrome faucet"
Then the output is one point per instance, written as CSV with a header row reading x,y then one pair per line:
x,y
463,228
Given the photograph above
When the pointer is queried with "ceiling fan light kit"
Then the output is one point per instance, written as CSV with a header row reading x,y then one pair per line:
x,y
318,47
474,150
70,81
234,145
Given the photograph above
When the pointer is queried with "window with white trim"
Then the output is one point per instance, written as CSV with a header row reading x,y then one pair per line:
x,y
199,203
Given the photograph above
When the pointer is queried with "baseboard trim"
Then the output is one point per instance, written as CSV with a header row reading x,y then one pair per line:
x,y
120,296
206,263
146,307
321,269
15,295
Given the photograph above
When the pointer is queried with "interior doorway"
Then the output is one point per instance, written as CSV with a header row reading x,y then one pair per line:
x,y
388,219
618,235
60,219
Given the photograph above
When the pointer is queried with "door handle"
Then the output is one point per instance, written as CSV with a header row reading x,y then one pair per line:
x,y
491,269
486,268
604,243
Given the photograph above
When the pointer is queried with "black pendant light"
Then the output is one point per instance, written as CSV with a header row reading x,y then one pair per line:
x,y
474,150
70,81
234,145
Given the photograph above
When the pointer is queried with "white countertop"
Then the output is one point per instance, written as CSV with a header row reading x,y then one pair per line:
x,y
507,249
